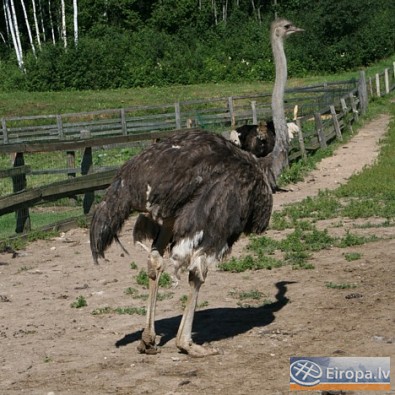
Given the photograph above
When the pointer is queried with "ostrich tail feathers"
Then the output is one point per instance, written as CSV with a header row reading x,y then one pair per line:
x,y
107,221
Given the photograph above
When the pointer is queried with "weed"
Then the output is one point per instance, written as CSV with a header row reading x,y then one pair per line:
x,y
351,239
24,269
242,295
340,285
47,359
203,304
165,296
102,310
79,302
249,263
143,279
183,300
352,256
130,310
133,265
119,310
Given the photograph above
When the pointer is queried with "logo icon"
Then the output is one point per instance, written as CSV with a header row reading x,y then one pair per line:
x,y
306,373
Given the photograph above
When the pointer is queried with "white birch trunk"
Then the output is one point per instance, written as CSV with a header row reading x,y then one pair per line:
x,y
64,31
6,19
17,37
51,22
42,21
36,24
29,31
75,17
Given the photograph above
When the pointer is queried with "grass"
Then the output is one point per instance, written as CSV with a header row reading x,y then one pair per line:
x,y
41,103
119,310
79,302
340,285
143,279
352,256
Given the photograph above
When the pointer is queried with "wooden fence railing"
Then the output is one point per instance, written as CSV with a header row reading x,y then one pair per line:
x,y
324,111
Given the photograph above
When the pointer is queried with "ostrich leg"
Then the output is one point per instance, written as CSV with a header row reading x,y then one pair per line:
x,y
155,268
197,276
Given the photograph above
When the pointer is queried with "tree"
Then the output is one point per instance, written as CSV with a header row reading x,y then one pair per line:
x,y
75,19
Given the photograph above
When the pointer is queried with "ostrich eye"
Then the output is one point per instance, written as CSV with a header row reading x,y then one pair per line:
x,y
287,26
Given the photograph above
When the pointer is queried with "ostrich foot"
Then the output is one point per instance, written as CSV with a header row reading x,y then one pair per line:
x,y
196,350
147,345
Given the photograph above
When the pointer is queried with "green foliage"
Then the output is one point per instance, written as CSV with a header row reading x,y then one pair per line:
x,y
79,302
340,286
120,310
143,279
352,256
139,44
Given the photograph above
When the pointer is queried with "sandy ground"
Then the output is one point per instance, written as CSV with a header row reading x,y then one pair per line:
x,y
48,347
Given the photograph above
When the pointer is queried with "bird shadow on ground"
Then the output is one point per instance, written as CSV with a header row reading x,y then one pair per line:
x,y
219,323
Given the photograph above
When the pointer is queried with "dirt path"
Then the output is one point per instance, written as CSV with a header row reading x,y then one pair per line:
x,y
48,347
350,158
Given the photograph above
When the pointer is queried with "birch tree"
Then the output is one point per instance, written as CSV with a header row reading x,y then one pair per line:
x,y
51,22
29,31
36,24
75,18
13,25
63,16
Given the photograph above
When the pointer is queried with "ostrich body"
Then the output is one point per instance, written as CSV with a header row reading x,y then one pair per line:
x,y
196,193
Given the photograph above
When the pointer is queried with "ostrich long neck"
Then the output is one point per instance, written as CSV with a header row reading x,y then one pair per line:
x,y
280,151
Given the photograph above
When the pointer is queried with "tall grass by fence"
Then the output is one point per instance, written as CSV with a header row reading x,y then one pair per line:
x,y
44,150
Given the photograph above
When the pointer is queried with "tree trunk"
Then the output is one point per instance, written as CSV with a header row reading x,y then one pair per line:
x,y
42,21
51,22
29,31
13,24
36,24
64,31
75,17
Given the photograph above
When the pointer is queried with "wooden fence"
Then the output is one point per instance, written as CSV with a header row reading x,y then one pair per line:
x,y
324,111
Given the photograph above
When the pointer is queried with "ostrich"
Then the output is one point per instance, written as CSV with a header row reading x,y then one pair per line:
x,y
259,139
196,193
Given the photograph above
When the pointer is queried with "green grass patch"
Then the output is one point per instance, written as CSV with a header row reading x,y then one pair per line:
x,y
340,285
79,302
352,256
119,310
143,279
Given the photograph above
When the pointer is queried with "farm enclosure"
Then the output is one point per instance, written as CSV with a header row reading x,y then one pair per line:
x,y
48,346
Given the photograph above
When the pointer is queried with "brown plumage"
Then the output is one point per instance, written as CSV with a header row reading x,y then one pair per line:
x,y
257,139
196,192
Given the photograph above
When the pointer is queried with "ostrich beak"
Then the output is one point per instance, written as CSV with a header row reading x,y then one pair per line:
x,y
294,29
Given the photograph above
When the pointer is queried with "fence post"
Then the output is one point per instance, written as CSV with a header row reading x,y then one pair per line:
x,y
336,123
386,81
60,126
370,87
320,130
378,85
178,115
354,107
362,92
123,122
254,114
301,140
87,168
5,132
19,184
231,111
71,164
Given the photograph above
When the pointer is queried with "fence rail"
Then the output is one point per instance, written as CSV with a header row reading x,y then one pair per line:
x,y
325,110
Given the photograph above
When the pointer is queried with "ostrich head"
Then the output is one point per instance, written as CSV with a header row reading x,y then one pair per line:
x,y
283,28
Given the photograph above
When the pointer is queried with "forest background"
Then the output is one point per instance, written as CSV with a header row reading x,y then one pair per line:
x,y
54,45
